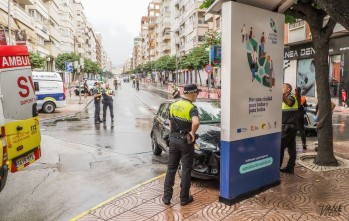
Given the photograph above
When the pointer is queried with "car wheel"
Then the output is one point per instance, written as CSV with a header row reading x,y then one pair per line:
x,y
3,177
49,107
155,146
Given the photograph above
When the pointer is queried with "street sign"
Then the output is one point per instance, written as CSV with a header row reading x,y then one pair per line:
x,y
69,67
216,54
208,69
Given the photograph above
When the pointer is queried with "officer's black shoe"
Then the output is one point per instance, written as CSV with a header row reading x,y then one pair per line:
x,y
112,120
191,199
97,122
100,121
165,201
104,120
287,170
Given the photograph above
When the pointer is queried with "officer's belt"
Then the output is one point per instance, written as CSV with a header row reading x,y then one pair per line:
x,y
179,134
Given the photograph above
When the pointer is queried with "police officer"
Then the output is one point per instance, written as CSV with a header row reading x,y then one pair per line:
x,y
289,128
184,122
97,99
108,102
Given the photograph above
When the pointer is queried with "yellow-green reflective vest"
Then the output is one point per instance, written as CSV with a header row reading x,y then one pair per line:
x,y
285,107
181,110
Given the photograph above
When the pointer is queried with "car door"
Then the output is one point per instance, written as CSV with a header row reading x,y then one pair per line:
x,y
164,125
156,123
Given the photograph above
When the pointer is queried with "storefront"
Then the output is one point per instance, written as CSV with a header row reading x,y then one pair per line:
x,y
300,70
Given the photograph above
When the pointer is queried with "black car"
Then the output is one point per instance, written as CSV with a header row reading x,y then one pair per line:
x,y
207,148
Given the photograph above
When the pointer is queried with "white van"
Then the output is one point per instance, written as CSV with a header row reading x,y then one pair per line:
x,y
49,90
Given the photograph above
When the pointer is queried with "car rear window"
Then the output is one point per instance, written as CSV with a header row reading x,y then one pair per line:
x,y
209,112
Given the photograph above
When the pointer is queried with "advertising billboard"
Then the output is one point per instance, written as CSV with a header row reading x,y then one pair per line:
x,y
252,78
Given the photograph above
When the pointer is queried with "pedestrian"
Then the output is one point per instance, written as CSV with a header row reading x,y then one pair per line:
x,y
108,102
289,128
97,100
115,84
133,82
175,93
302,104
137,84
85,90
344,98
184,122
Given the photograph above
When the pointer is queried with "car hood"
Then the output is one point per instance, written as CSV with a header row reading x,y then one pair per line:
x,y
210,133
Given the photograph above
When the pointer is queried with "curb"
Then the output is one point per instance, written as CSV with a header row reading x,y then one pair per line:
x,y
67,115
86,212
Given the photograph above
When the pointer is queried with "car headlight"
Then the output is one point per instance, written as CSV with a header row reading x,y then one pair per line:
x,y
202,145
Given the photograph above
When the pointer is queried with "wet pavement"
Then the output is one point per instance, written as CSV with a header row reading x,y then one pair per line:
x,y
84,164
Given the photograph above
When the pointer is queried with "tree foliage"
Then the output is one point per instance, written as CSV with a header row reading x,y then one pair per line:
x,y
165,63
206,4
65,57
212,38
36,61
338,10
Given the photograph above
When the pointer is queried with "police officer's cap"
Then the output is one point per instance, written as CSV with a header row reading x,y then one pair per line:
x,y
191,89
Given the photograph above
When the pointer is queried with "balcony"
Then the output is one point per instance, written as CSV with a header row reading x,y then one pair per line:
x,y
22,16
166,37
166,47
208,17
54,33
54,51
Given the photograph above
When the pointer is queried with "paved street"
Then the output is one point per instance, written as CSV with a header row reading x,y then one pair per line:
x,y
83,164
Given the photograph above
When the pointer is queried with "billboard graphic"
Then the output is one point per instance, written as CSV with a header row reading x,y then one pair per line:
x,y
21,37
306,77
2,37
252,76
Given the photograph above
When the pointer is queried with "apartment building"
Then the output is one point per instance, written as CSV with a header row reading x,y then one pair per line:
x,y
192,25
142,56
67,33
79,28
164,28
99,49
137,43
20,19
54,28
299,55
151,37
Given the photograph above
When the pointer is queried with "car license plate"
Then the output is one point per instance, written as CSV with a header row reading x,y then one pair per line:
x,y
24,160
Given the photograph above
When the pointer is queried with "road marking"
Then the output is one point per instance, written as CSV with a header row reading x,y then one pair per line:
x,y
115,197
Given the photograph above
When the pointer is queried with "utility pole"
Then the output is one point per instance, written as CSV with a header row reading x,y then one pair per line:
x,y
9,22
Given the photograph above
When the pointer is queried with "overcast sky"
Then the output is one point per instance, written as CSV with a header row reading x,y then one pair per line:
x,y
119,22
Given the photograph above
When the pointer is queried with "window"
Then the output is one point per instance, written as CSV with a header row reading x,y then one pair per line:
x,y
36,85
218,22
41,40
298,23
32,12
201,38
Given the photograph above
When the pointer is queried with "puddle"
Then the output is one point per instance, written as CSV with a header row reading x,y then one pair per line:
x,y
74,162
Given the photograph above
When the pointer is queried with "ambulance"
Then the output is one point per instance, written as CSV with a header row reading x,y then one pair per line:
x,y
19,122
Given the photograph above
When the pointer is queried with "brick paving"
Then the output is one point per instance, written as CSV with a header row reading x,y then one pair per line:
x,y
299,197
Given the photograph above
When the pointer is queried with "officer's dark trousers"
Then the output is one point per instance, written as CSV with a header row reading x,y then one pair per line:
x,y
106,104
179,150
288,140
97,111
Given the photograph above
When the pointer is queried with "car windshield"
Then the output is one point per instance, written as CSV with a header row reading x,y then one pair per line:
x,y
209,112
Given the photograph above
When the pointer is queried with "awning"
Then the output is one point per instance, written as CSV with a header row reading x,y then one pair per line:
x,y
272,5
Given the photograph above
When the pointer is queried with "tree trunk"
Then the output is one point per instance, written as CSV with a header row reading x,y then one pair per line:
x,y
337,9
325,156
198,71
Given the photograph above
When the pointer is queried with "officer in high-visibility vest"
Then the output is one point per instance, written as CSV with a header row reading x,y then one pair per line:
x,y
108,102
289,128
184,122
97,100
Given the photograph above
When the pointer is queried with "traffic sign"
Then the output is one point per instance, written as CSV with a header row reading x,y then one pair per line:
x,y
69,67
208,69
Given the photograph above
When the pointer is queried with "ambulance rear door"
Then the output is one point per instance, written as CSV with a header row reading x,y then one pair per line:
x,y
18,102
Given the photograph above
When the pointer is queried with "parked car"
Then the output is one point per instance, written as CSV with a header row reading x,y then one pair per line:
x,y
90,83
207,148
49,90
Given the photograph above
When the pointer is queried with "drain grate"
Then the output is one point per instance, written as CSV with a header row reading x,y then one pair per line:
x,y
307,160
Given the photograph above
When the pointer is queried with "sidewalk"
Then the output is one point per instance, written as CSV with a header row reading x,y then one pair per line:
x,y
302,196
73,107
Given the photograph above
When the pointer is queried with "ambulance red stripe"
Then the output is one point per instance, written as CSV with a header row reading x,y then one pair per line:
x,y
8,60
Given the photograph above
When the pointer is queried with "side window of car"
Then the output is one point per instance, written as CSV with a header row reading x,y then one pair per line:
x,y
161,110
166,112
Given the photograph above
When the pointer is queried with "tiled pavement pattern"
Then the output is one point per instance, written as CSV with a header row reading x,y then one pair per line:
x,y
298,197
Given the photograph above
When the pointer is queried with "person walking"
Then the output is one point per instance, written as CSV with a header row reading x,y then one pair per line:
x,y
85,90
344,98
137,84
302,104
289,128
108,102
175,93
184,122
97,100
